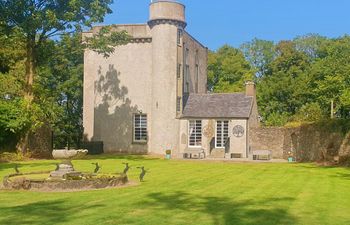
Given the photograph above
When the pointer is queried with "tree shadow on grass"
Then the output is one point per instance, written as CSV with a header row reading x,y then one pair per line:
x,y
25,165
43,212
120,157
317,166
223,210
345,176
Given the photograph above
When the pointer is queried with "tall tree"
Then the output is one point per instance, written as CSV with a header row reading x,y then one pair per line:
x,y
39,20
310,44
284,88
331,77
12,114
259,53
60,83
227,70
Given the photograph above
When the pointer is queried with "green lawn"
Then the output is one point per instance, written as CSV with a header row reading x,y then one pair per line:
x,y
189,192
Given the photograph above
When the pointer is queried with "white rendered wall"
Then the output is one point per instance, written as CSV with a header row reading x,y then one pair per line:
x,y
114,89
238,144
165,126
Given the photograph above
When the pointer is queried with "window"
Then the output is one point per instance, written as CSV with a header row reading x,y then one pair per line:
x,y
197,77
187,54
179,71
221,133
178,104
140,127
179,36
195,133
187,79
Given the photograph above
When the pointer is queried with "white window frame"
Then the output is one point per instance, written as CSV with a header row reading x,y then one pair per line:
x,y
222,132
141,126
189,133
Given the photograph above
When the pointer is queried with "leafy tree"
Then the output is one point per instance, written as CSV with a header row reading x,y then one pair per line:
x,y
11,49
12,114
310,44
61,84
227,70
296,80
310,112
38,21
284,88
276,119
259,53
330,75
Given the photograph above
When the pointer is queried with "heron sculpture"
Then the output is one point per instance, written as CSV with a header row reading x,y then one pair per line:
x,y
97,167
127,167
143,173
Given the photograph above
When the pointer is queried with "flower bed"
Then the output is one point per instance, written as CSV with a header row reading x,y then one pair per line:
x,y
22,181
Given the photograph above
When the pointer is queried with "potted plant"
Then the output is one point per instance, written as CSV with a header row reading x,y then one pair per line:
x,y
290,156
168,154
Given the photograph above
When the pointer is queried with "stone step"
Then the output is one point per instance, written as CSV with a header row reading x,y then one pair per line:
x,y
217,153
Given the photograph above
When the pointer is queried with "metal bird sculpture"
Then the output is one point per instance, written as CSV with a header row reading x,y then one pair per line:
x,y
97,167
143,173
16,168
127,167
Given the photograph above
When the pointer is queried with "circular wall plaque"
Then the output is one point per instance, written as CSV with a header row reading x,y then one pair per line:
x,y
238,131
208,131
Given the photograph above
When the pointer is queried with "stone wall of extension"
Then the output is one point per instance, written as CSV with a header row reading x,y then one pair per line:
x,y
307,143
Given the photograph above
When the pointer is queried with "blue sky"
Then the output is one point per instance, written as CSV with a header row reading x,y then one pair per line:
x,y
234,22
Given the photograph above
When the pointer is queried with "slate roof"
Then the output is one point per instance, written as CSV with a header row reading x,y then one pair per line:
x,y
235,105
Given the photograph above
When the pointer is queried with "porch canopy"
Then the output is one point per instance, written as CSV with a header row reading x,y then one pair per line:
x,y
235,105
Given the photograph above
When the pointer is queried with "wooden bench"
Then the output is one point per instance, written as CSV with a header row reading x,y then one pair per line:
x,y
262,155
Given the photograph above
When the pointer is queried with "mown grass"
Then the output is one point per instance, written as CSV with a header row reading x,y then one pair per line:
x,y
189,192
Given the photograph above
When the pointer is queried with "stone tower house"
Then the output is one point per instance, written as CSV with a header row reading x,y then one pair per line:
x,y
144,97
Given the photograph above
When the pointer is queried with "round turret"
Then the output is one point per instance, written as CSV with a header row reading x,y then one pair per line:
x,y
167,21
167,12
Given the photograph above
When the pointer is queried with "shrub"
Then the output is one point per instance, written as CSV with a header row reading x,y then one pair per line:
x,y
310,112
14,156
277,119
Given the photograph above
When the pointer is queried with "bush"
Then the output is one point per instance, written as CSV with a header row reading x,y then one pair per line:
x,y
277,119
310,112
10,156
334,125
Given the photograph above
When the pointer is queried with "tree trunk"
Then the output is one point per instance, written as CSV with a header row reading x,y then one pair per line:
x,y
23,143
30,70
28,89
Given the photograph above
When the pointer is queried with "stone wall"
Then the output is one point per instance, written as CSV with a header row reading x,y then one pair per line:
x,y
344,152
272,139
306,143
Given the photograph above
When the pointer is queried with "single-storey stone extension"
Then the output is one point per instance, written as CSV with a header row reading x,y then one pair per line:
x,y
151,94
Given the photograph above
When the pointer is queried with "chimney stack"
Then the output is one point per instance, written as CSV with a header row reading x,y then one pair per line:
x,y
250,89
